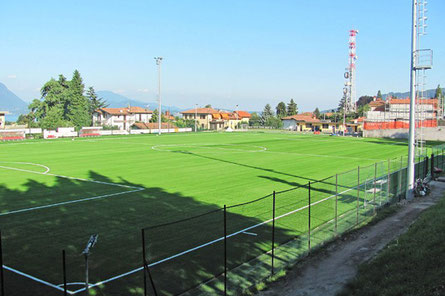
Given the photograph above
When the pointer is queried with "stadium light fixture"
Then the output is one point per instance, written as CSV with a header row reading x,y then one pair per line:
x,y
86,253
158,63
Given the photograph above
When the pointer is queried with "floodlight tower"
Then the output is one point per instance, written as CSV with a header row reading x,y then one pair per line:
x,y
421,60
158,63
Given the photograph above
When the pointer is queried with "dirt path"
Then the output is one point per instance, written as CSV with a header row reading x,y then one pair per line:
x,y
326,273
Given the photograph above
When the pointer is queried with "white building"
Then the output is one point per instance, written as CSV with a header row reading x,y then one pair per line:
x,y
3,118
123,118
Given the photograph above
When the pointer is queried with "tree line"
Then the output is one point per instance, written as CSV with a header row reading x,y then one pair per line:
x,y
63,103
272,119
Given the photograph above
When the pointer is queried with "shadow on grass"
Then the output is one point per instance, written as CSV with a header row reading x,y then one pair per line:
x,y
33,240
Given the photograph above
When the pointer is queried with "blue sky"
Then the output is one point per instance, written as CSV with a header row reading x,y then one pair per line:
x,y
245,52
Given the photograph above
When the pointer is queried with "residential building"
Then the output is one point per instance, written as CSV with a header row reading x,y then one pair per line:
x,y
211,119
3,118
123,118
308,123
394,113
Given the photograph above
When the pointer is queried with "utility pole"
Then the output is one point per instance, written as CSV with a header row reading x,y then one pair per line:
x,y
196,117
412,106
158,63
236,112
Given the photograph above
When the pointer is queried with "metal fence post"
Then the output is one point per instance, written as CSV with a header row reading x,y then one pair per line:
x,y
388,182
358,192
65,291
336,203
375,184
399,185
273,233
425,167
225,250
143,261
432,166
309,217
441,158
2,279
146,268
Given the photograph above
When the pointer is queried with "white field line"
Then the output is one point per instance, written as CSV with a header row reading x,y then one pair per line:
x,y
205,146
66,177
36,279
209,243
69,202
58,204
47,169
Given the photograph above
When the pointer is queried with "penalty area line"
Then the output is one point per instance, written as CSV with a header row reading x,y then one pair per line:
x,y
69,202
36,279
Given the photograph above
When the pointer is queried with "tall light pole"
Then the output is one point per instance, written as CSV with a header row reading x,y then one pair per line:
x,y
196,117
236,112
158,62
412,106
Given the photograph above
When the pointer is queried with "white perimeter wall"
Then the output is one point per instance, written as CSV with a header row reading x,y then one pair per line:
x,y
429,133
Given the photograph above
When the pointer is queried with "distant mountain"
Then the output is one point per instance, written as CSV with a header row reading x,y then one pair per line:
x,y
116,100
430,93
10,102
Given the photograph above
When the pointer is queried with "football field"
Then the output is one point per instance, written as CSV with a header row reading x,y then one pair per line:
x,y
54,194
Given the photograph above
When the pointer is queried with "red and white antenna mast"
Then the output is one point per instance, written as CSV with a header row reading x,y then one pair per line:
x,y
350,90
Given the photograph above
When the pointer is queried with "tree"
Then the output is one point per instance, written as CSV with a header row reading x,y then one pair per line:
x,y
341,104
438,94
364,100
267,113
63,103
363,109
78,108
255,119
274,122
95,101
292,108
281,110
317,113
379,94
154,117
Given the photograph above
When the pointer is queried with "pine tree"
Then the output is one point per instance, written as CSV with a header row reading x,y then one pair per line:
x,y
292,108
317,113
95,101
379,94
267,113
438,94
281,110
78,110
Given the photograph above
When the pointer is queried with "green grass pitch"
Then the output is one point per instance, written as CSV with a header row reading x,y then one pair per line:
x,y
54,194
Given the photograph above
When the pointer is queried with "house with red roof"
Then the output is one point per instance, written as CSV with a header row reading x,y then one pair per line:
x,y
123,118
307,122
212,119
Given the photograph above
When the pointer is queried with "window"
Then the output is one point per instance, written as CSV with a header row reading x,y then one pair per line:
x,y
325,125
202,116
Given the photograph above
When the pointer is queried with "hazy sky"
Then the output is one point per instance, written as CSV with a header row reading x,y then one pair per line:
x,y
246,52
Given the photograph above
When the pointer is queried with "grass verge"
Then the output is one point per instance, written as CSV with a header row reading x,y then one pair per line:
x,y
410,265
